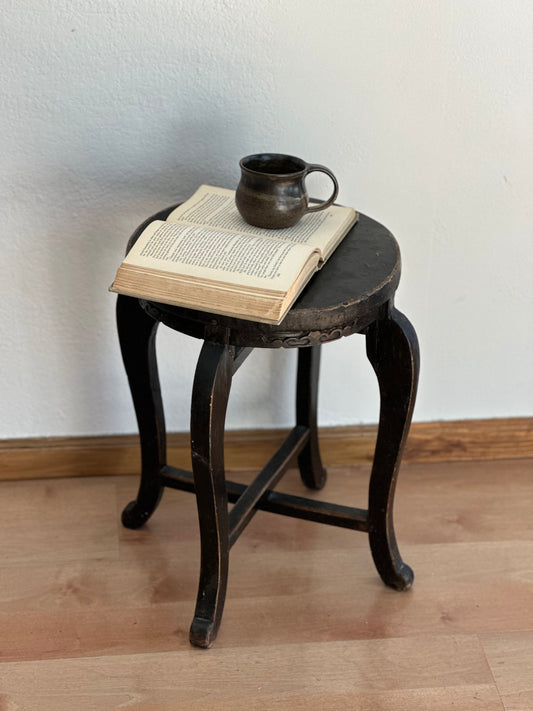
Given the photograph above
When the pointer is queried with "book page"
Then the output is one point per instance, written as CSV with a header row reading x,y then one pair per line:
x,y
219,256
215,207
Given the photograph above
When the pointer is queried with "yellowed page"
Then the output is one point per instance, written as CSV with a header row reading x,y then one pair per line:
x,y
245,261
215,207
166,288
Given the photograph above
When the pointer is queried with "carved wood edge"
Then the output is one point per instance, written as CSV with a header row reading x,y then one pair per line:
x,y
253,335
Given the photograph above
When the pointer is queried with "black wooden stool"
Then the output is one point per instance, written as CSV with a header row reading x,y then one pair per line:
x,y
353,293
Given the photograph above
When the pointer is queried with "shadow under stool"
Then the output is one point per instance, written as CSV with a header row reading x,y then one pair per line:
x,y
353,293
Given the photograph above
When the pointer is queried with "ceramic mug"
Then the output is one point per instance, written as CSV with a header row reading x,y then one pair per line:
x,y
272,193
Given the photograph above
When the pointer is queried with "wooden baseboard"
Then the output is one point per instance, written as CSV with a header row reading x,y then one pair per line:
x,y
466,440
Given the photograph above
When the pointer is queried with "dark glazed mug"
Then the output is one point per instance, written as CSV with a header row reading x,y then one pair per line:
x,y
272,192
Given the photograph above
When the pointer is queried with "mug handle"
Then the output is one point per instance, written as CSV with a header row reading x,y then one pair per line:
x,y
322,169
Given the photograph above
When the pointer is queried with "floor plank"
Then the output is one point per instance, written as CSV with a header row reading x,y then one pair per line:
x,y
57,520
102,607
201,680
511,661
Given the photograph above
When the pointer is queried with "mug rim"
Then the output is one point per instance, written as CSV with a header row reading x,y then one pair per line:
x,y
272,156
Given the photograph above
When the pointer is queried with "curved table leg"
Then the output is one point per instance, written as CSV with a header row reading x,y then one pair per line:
x,y
211,388
392,348
137,332
312,472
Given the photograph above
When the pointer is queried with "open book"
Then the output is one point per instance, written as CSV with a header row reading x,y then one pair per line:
x,y
206,257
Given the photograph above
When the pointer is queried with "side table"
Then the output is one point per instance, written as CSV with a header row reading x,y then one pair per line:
x,y
353,293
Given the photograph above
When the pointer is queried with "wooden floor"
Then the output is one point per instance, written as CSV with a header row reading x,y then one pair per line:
x,y
93,616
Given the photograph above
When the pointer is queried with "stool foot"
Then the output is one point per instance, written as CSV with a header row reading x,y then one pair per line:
x,y
202,633
134,515
392,348
404,578
312,472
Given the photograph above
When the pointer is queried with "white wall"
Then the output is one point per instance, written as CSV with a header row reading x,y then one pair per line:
x,y
113,109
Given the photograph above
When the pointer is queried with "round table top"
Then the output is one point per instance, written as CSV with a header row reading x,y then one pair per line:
x,y
344,297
